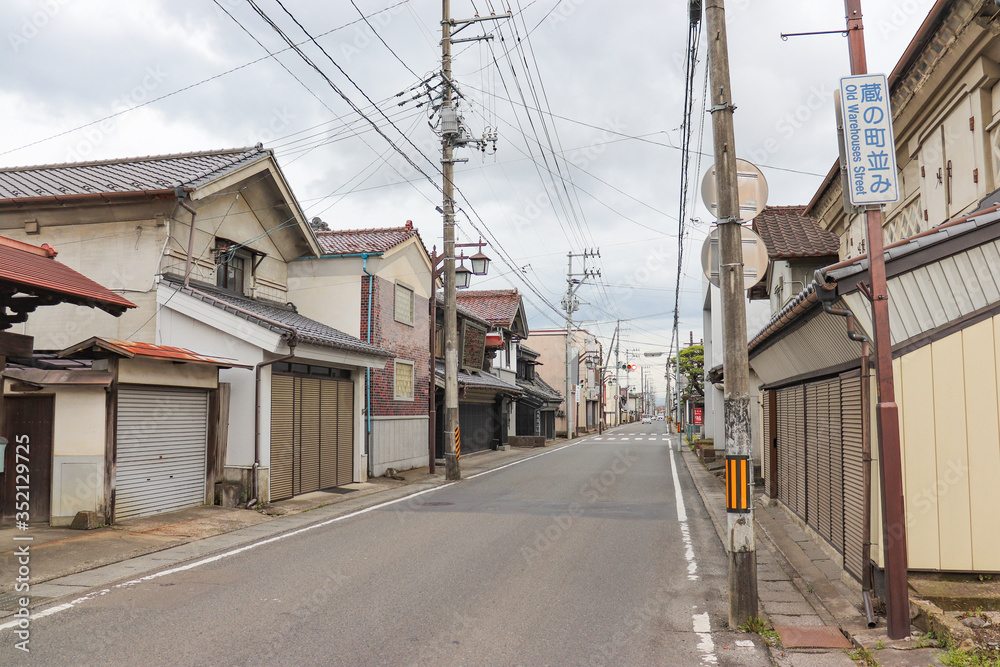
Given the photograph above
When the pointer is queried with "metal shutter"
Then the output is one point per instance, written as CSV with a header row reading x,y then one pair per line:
x,y
814,467
308,461
836,498
161,450
477,421
850,410
798,448
765,463
784,471
345,432
328,435
282,435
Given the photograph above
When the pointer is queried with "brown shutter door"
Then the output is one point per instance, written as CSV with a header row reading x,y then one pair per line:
x,y
850,406
328,435
784,463
765,463
308,463
813,456
799,449
345,432
836,468
282,436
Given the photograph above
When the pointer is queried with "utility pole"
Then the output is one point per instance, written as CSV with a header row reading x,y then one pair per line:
x,y
887,412
739,505
452,135
571,304
618,365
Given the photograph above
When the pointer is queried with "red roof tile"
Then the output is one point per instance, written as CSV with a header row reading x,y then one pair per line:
x,y
130,349
33,270
498,307
350,241
789,234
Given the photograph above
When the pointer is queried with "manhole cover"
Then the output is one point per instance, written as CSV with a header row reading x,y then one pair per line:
x,y
812,636
435,504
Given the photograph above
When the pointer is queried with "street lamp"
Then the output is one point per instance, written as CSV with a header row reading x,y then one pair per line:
x,y
480,264
463,277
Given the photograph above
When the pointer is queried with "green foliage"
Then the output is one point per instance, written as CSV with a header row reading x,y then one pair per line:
x,y
864,657
978,658
692,365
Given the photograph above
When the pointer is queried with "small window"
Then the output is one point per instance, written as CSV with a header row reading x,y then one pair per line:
x,y
231,267
404,380
404,304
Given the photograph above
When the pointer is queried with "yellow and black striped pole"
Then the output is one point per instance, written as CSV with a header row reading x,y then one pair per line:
x,y
738,490
458,443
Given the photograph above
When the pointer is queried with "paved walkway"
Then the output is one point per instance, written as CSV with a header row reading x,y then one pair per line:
x,y
800,586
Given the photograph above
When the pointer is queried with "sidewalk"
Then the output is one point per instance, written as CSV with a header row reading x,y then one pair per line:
x,y
66,563
801,591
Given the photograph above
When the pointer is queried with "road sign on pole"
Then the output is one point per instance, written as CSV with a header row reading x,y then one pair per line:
x,y
868,139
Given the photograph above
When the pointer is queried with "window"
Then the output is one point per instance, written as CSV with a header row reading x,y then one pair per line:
x,y
231,267
404,304
404,380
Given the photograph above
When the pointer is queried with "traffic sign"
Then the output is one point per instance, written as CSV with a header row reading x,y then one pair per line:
x,y
754,257
752,190
868,140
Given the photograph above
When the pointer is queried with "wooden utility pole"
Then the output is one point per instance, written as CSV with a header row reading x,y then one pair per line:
x,y
452,135
742,547
887,412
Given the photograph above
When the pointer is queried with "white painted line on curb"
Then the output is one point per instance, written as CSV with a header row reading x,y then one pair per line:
x,y
703,628
220,556
682,521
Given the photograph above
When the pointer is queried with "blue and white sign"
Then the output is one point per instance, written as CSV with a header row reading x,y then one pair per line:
x,y
871,146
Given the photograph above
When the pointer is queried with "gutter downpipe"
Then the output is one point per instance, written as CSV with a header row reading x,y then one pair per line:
x,y
292,338
826,296
368,370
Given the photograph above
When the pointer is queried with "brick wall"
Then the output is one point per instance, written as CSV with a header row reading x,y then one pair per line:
x,y
410,343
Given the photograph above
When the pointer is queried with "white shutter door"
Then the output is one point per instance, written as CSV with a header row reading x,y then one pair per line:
x,y
162,448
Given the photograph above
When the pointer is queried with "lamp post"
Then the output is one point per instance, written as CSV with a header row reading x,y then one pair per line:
x,y
480,266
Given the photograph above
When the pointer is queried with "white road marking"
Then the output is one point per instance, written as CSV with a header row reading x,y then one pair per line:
x,y
226,554
682,520
551,451
703,628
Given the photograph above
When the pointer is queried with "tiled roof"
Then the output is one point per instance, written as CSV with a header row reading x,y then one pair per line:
x,y
34,270
351,241
789,234
309,331
498,307
130,349
479,380
540,389
461,310
128,175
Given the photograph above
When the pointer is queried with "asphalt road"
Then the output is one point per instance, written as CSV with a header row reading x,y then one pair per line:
x,y
581,555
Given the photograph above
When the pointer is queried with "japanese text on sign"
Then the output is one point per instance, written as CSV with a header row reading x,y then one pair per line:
x,y
871,147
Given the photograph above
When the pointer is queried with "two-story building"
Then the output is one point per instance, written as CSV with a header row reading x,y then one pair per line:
x,y
201,243
375,284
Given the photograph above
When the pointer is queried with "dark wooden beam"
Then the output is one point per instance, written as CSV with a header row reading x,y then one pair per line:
x,y
15,345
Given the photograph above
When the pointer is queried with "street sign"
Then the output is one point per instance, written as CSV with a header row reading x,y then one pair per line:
x,y
697,416
869,140
754,257
752,190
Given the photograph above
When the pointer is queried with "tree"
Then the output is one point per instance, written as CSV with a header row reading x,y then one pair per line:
x,y
692,367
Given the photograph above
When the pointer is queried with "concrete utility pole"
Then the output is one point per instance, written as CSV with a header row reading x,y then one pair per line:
x,y
451,136
739,505
618,365
893,508
571,304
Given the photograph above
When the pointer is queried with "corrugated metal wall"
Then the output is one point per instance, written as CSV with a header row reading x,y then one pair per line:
x,y
853,495
766,426
162,449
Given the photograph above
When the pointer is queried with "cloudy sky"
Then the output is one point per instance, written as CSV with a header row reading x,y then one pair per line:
x,y
585,98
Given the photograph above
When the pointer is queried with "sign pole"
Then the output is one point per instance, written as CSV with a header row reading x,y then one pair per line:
x,y
887,412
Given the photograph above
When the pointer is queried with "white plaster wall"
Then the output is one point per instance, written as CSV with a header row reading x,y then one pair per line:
x,y
160,372
328,291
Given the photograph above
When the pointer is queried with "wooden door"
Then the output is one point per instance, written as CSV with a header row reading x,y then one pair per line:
x,y
27,425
